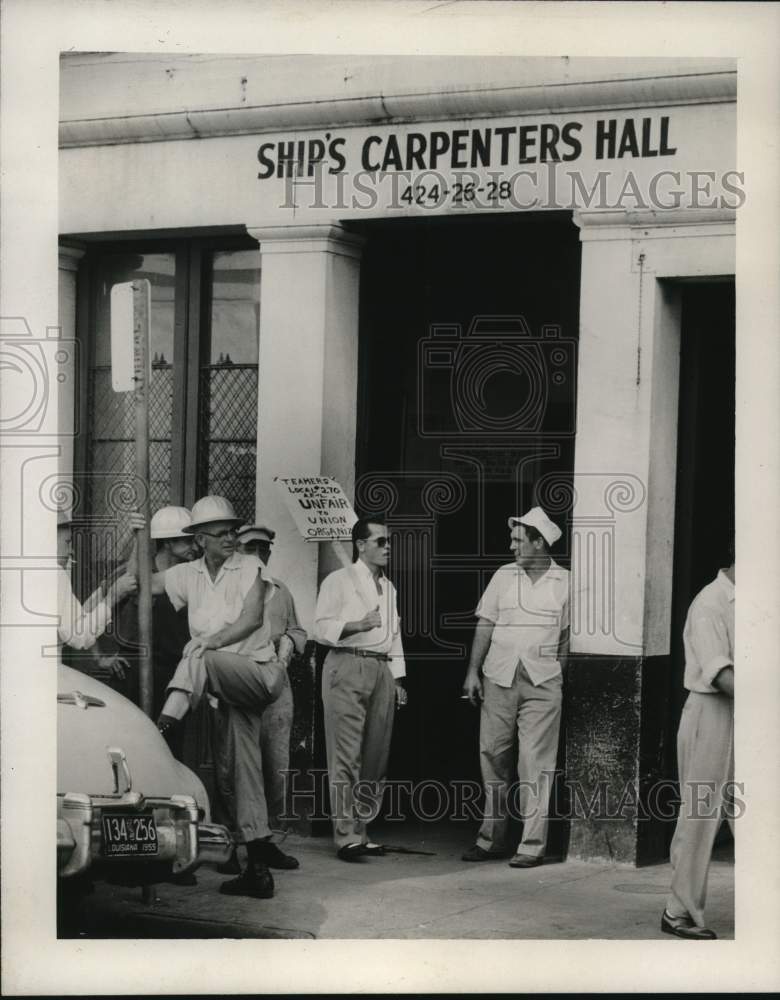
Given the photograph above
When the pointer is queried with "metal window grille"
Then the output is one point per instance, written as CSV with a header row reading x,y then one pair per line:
x,y
227,434
111,458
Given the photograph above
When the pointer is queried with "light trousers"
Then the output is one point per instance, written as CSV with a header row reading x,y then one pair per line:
x,y
705,762
275,726
358,696
246,689
518,739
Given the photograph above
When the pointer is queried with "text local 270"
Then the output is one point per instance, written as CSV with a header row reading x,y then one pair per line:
x,y
321,510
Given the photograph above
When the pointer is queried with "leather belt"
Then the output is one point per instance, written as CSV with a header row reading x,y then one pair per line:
x,y
365,652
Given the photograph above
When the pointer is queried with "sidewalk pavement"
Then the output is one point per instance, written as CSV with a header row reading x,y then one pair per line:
x,y
416,896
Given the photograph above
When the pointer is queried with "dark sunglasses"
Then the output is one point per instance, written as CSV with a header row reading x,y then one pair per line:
x,y
380,542
220,534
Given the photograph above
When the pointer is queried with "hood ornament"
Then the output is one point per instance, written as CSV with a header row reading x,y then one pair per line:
x,y
80,700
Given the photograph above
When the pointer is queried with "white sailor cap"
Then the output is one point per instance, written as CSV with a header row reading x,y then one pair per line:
x,y
536,518
255,532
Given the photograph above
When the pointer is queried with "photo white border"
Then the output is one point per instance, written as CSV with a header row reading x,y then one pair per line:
x,y
33,34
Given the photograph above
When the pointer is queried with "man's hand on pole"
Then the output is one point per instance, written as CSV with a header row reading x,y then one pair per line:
x,y
137,523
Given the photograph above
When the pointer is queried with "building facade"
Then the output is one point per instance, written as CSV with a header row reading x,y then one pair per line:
x,y
460,287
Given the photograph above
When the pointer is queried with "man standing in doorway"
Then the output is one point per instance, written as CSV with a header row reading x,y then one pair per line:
x,y
705,753
515,670
276,722
362,683
230,655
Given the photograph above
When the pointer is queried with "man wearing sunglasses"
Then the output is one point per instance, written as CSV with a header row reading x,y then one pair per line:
x,y
231,657
362,683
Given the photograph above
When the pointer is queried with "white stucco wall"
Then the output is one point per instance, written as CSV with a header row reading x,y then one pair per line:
x,y
171,144
625,457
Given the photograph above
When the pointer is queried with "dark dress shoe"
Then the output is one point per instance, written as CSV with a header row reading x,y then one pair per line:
x,y
350,852
276,858
231,866
526,861
256,882
477,853
684,927
172,731
374,850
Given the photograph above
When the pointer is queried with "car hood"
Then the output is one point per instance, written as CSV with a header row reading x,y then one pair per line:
x,y
86,730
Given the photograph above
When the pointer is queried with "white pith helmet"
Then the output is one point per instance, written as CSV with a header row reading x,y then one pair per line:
x,y
170,522
207,510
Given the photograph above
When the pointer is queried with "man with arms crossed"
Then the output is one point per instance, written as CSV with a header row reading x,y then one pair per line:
x,y
515,669
362,682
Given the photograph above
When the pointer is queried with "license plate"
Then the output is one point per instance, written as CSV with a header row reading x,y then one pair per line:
x,y
128,834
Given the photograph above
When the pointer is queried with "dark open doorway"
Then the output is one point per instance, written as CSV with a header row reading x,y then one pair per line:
x,y
454,436
704,522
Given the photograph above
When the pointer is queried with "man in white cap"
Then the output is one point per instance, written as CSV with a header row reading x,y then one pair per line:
x,y
230,655
515,670
705,753
288,638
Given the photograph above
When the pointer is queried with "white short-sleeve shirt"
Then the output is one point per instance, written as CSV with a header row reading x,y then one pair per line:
x,y
529,619
212,604
708,635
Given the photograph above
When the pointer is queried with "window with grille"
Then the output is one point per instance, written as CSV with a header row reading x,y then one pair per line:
x,y
203,401
227,426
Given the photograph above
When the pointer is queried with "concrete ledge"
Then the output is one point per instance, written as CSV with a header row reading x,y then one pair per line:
x,y
387,108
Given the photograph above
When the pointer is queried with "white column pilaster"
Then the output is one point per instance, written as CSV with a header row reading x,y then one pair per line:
x,y
307,407
627,396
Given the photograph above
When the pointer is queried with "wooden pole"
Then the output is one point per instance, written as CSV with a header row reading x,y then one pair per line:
x,y
141,305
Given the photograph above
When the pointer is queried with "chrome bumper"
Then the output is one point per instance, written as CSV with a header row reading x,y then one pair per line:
x,y
183,842
215,845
